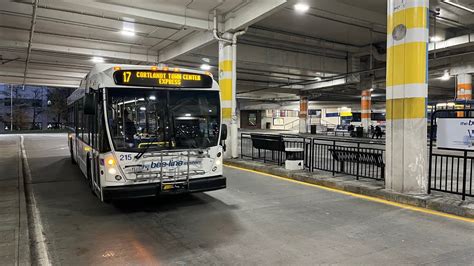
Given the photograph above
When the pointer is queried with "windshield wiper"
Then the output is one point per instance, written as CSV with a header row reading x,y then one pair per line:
x,y
140,154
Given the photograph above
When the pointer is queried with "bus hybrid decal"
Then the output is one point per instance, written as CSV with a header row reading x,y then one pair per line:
x,y
169,79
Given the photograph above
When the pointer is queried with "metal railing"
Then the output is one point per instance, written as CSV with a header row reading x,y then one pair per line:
x,y
450,170
358,158
451,173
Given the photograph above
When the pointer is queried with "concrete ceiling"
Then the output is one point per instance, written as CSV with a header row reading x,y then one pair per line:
x,y
281,53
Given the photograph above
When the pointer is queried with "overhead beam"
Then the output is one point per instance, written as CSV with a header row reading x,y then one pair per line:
x,y
251,13
245,16
80,51
183,21
51,82
30,41
186,45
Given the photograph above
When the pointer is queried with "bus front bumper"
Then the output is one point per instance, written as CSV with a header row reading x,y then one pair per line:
x,y
151,190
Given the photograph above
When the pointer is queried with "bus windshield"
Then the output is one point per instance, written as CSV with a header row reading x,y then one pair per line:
x,y
153,119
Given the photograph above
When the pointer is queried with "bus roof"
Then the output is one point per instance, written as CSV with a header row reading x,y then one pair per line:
x,y
101,76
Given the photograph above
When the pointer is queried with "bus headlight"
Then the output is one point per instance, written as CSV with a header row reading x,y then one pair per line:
x,y
112,171
218,162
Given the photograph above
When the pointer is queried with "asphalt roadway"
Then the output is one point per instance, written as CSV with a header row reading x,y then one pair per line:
x,y
257,220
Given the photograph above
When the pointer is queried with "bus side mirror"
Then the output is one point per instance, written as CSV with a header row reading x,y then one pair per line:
x,y
89,104
223,132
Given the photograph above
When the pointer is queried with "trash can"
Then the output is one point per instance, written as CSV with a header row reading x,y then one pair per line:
x,y
294,159
313,129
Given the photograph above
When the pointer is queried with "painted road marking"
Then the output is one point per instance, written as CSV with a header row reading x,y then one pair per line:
x,y
38,230
386,202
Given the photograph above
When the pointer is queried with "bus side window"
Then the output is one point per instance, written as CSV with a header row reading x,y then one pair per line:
x,y
80,119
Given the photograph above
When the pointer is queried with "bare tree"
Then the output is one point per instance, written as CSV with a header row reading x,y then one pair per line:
x,y
57,103
37,104
19,117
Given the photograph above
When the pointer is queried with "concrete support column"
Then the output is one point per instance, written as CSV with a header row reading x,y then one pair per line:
x,y
407,90
227,94
366,105
303,128
464,87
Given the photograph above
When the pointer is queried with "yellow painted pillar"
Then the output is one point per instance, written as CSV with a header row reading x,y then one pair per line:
x,y
407,91
366,105
225,84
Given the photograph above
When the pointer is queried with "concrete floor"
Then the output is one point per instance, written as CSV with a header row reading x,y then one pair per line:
x,y
256,220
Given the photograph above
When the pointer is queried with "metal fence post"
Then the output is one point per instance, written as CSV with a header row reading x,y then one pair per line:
x,y
464,176
334,161
358,160
311,155
241,146
430,163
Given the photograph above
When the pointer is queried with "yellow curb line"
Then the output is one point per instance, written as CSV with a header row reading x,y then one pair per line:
x,y
396,204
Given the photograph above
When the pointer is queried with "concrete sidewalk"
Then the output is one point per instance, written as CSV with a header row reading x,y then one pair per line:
x,y
440,202
14,238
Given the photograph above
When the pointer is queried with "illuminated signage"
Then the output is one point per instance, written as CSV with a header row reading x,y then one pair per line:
x,y
149,78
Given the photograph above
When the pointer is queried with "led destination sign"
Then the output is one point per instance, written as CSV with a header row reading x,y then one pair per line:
x,y
149,78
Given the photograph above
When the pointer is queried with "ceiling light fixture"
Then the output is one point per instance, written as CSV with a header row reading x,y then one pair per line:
x,y
205,59
445,76
128,32
318,78
301,7
205,67
435,39
463,7
97,59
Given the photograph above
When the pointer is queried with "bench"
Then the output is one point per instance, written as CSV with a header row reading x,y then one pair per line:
x,y
273,143
360,157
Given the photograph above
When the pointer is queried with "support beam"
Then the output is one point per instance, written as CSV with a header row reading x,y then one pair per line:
x,y
186,45
407,67
225,83
251,13
464,87
30,41
190,22
303,127
80,51
366,106
248,14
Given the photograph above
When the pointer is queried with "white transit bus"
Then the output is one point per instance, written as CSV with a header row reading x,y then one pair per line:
x,y
140,131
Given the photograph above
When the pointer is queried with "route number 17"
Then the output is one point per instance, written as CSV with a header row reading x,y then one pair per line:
x,y
126,76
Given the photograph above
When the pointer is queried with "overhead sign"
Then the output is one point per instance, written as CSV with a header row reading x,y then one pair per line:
x,y
455,133
150,78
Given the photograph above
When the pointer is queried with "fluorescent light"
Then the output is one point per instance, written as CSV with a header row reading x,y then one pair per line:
x,y
317,78
128,32
458,5
205,67
205,59
152,97
97,59
187,115
371,89
301,7
143,108
446,76
435,39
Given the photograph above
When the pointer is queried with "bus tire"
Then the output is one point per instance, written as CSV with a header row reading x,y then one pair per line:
x,y
73,161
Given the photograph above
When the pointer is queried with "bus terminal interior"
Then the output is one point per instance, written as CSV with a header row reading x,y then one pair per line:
x,y
339,132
